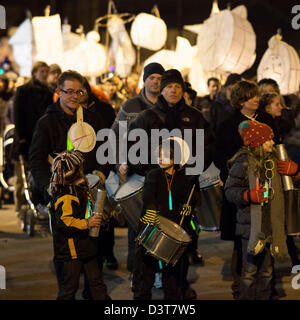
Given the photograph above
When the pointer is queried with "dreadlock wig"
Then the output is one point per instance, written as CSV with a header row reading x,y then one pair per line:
x,y
67,171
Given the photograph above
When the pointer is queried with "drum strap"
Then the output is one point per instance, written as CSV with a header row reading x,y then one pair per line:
x,y
169,189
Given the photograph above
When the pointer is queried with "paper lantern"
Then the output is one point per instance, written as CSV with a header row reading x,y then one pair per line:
x,y
281,63
48,38
22,43
123,51
148,31
70,39
88,58
226,42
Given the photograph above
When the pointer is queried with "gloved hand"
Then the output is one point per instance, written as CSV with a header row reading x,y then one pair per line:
x,y
150,217
288,168
254,195
186,210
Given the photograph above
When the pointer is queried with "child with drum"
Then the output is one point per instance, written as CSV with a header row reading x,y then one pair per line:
x,y
166,209
255,186
70,223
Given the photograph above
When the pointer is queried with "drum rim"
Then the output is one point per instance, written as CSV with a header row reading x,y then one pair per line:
x,y
128,196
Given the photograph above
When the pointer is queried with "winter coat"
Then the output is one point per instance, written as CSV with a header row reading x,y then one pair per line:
x,y
30,103
156,195
182,117
70,232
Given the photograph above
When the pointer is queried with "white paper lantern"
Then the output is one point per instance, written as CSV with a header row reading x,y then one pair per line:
x,y
226,42
123,51
22,44
148,31
281,63
48,38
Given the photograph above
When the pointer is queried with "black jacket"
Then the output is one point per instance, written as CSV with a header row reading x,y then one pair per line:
x,y
30,103
184,117
70,232
156,195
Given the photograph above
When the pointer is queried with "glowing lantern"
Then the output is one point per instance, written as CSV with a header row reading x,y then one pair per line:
x,y
148,31
229,51
22,44
88,58
281,63
48,38
123,51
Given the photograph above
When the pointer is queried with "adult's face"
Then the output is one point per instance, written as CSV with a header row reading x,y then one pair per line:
x,y
152,83
172,93
53,76
213,87
41,74
251,104
70,95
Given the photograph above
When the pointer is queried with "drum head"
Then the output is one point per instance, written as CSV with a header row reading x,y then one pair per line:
x,y
173,230
92,180
82,136
133,185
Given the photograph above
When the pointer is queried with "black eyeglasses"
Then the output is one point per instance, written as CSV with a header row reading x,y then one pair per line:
x,y
70,92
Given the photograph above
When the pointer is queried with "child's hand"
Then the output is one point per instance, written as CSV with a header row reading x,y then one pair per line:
x,y
186,210
95,220
255,195
150,217
288,168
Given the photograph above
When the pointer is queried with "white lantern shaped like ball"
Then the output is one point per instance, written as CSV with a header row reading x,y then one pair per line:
x,y
148,31
281,63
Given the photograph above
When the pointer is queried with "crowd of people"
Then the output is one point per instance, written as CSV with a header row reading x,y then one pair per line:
x,y
243,121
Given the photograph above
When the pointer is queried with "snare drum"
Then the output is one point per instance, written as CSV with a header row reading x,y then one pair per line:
x,y
129,195
166,241
209,212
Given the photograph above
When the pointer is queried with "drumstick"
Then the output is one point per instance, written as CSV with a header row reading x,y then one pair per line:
x,y
188,202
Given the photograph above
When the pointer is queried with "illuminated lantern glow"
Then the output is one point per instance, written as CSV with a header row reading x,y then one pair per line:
x,y
148,31
230,51
281,63
48,38
22,44
122,49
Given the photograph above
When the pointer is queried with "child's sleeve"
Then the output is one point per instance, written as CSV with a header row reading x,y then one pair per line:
x,y
66,210
236,184
150,191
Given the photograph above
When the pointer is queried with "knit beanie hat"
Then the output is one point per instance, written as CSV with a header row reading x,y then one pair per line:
x,y
255,133
151,68
171,76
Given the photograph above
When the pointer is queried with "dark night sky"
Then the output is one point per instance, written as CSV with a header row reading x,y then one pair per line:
x,y
266,16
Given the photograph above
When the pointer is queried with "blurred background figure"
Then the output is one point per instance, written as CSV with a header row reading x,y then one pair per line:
x,y
189,94
204,103
111,88
132,82
54,73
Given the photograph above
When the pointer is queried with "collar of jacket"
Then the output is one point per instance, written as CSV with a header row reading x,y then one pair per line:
x,y
142,96
162,104
36,83
56,108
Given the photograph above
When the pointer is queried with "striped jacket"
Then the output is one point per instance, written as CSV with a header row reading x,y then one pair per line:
x,y
70,232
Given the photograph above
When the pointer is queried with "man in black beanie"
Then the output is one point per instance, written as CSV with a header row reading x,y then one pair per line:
x,y
170,112
128,112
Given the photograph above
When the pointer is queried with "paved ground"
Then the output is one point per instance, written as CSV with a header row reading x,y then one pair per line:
x,y
30,275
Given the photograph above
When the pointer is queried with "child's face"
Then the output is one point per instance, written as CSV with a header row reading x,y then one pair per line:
x,y
268,146
274,108
164,160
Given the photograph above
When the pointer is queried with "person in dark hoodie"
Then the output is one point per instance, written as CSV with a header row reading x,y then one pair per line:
x,y
221,109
